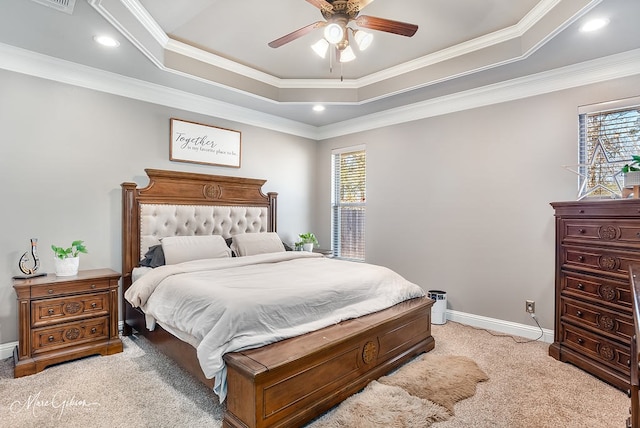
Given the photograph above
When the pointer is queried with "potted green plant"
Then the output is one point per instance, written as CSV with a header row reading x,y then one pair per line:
x,y
631,172
307,240
67,260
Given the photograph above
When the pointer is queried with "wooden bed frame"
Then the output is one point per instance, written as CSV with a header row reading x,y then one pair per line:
x,y
291,382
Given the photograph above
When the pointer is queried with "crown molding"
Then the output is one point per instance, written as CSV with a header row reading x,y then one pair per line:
x,y
607,68
599,70
50,68
147,35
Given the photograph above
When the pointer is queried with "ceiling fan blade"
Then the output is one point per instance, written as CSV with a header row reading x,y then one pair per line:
x,y
387,25
296,34
323,4
358,4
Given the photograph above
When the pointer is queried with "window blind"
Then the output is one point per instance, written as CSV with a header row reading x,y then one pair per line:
x,y
608,139
349,204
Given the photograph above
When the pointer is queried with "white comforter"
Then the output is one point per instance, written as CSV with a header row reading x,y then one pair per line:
x,y
232,304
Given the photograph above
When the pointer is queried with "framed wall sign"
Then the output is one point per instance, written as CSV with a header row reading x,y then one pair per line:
x,y
205,144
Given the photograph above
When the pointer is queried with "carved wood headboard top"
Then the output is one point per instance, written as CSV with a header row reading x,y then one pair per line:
x,y
184,188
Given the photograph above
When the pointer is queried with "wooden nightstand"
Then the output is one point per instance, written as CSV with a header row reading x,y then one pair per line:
x,y
324,252
64,318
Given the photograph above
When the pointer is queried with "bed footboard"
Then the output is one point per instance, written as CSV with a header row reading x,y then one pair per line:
x,y
291,382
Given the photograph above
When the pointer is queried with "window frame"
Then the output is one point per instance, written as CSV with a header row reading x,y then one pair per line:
x,y
336,204
607,184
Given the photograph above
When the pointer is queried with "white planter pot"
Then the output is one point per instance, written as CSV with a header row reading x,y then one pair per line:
x,y
631,179
308,247
68,266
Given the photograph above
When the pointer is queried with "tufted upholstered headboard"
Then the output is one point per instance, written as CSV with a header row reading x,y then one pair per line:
x,y
182,203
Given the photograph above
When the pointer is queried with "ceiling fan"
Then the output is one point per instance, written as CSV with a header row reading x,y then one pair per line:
x,y
338,14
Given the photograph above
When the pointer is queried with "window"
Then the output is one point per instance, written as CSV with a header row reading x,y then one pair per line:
x,y
348,203
609,136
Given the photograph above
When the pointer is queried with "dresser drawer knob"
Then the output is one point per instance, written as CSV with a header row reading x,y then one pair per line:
x,y
581,231
580,258
579,313
93,286
93,330
50,311
580,340
580,286
581,211
93,305
50,291
51,339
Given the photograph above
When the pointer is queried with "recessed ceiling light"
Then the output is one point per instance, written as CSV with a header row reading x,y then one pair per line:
x,y
594,24
107,41
318,107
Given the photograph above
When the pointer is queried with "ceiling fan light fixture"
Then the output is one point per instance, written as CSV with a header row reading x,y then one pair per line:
x,y
363,39
333,33
321,47
347,54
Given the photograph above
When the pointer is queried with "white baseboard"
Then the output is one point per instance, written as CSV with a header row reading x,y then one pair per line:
x,y
501,326
6,349
507,327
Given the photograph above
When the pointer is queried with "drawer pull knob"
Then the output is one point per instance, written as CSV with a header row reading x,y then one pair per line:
x,y
50,311
581,231
93,330
93,286
93,305
50,291
580,286
50,338
580,340
580,258
579,313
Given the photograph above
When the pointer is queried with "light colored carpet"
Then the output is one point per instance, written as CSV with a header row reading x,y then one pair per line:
x,y
526,388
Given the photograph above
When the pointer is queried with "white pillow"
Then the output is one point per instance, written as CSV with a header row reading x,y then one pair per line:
x,y
248,244
178,249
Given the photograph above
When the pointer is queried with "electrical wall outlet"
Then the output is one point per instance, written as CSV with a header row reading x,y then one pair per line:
x,y
530,306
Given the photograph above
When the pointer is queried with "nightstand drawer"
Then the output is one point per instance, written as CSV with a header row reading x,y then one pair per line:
x,y
63,309
69,334
68,287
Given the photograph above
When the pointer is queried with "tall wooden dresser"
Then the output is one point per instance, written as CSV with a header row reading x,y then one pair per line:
x,y
596,241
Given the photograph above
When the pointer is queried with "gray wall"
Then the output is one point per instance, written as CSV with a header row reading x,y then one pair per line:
x,y
461,202
458,202
64,151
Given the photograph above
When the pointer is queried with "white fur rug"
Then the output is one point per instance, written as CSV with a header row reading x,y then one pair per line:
x,y
416,395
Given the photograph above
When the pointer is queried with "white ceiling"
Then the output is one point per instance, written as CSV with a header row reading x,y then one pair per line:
x,y
218,49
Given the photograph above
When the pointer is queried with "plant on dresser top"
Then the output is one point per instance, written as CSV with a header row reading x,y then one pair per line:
x,y
631,172
67,259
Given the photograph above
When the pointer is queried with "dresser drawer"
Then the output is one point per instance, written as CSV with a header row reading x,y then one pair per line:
x,y
615,325
68,287
69,334
614,263
602,232
616,294
606,352
63,309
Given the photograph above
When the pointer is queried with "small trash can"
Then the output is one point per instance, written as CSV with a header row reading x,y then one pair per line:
x,y
439,308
